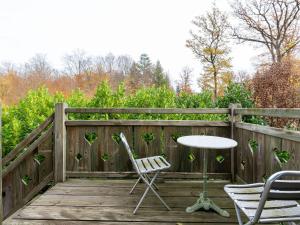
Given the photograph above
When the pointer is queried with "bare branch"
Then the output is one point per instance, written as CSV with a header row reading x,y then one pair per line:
x,y
272,23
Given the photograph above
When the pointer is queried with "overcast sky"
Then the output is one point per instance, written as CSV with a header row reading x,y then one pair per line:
x,y
156,27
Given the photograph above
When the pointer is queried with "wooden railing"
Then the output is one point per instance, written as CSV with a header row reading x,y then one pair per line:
x,y
93,147
263,150
28,168
61,148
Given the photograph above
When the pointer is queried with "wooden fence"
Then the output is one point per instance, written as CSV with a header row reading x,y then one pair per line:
x,y
28,168
61,148
93,148
263,150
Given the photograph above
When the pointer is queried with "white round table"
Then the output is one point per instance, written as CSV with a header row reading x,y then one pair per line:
x,y
205,143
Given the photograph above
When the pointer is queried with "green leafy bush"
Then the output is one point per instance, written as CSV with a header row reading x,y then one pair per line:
x,y
19,120
236,93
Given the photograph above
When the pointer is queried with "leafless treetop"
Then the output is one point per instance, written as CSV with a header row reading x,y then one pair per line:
x,y
271,23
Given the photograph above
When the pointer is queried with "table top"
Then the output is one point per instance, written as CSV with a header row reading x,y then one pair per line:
x,y
207,142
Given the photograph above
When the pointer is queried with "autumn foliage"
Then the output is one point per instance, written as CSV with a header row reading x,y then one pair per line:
x,y
278,86
80,72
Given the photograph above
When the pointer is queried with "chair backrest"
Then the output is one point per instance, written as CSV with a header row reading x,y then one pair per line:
x,y
284,190
278,189
130,154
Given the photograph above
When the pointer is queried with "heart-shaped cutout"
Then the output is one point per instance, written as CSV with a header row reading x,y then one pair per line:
x,y
90,137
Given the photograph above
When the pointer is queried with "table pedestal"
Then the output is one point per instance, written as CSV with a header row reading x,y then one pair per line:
x,y
203,201
206,204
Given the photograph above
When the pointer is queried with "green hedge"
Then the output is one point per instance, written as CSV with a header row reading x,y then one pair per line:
x,y
21,119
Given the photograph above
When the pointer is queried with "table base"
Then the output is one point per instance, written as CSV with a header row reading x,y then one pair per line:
x,y
206,204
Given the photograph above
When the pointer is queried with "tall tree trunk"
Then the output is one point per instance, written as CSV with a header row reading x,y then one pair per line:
x,y
278,55
216,86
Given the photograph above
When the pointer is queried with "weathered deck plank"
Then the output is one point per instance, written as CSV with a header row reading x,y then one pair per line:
x,y
76,222
81,202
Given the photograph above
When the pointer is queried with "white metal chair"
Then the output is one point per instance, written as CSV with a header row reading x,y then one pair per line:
x,y
270,202
143,167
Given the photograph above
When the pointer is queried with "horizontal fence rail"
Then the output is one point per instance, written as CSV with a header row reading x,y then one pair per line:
x,y
148,110
273,112
181,123
272,131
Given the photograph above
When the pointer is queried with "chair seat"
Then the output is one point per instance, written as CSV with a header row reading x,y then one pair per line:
x,y
152,164
247,198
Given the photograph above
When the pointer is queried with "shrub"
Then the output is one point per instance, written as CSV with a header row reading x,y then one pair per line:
x,y
236,93
277,86
194,100
21,119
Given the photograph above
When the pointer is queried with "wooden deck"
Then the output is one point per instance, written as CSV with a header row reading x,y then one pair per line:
x,y
86,201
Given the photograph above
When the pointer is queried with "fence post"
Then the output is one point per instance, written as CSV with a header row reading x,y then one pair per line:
x,y
233,118
60,143
1,206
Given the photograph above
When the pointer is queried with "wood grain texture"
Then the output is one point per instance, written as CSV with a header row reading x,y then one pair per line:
x,y
130,175
233,119
176,123
15,192
148,110
260,164
272,131
60,143
282,112
73,222
26,153
24,176
28,140
176,154
163,143
96,202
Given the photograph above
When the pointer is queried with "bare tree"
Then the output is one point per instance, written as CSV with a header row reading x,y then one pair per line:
x,y
77,63
98,66
209,44
185,81
109,63
124,63
241,77
7,68
270,23
38,66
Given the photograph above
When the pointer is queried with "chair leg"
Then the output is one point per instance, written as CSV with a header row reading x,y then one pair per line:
x,y
164,203
144,195
238,214
136,183
149,187
149,179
